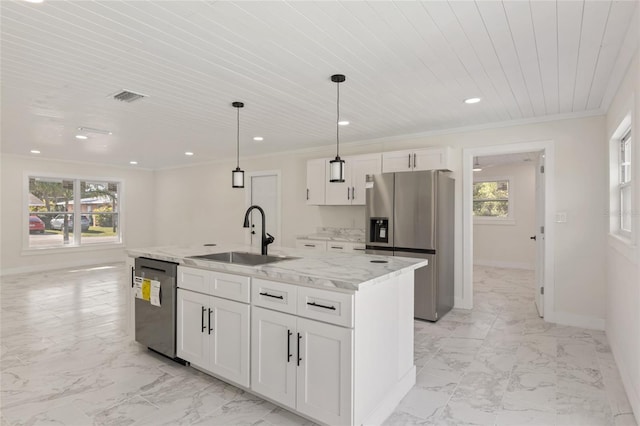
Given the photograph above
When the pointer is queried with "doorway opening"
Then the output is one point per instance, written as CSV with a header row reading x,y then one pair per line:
x,y
491,205
264,191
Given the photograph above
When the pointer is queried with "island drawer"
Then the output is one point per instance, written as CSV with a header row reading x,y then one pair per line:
x,y
328,306
229,286
274,295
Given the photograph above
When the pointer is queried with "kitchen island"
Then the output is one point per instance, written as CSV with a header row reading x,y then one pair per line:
x,y
328,336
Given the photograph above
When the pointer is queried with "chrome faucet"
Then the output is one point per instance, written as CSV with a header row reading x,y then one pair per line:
x,y
266,238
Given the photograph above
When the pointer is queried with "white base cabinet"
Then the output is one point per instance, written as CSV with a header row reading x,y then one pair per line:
x,y
213,334
303,364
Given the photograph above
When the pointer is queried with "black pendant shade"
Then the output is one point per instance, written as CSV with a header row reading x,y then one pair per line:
x,y
336,166
237,175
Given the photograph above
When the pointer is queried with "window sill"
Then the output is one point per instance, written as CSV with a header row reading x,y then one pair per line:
x,y
487,221
624,246
70,249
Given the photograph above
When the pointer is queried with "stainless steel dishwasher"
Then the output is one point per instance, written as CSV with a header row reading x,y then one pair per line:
x,y
155,326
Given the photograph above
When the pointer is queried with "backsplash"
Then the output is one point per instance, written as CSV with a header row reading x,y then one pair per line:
x,y
348,233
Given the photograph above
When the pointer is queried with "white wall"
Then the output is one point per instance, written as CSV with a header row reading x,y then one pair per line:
x,y
623,258
137,219
508,245
197,204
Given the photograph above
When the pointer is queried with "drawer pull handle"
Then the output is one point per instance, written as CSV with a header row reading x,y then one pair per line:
x,y
333,308
359,249
202,319
337,247
289,354
309,245
271,295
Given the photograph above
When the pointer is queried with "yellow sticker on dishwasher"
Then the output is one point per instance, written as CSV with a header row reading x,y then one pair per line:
x,y
146,289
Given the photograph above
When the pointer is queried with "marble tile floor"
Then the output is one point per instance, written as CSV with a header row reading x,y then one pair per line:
x,y
66,359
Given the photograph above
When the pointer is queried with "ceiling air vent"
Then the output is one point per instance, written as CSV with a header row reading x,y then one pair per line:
x,y
127,96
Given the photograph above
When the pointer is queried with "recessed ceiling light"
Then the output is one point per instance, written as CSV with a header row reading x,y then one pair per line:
x,y
133,162
258,138
92,130
472,100
83,137
188,153
343,123
35,151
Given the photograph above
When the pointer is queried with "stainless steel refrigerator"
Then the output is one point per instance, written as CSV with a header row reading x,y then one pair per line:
x,y
411,214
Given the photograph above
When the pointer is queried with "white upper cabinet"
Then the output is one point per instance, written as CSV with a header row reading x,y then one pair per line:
x,y
417,159
352,190
315,181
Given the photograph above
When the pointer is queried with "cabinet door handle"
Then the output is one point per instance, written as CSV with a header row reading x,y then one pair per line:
x,y
271,295
353,192
133,272
333,308
409,160
414,160
307,194
309,245
289,354
210,321
348,192
202,319
299,359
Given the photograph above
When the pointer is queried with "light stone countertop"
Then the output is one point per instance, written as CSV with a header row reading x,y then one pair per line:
x,y
327,270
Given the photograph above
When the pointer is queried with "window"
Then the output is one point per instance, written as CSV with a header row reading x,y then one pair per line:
x,y
491,200
56,221
624,184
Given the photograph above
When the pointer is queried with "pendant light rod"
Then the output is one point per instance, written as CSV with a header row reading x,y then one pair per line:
x,y
338,78
237,106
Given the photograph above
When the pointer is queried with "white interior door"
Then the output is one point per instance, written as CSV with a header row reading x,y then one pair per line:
x,y
265,193
540,235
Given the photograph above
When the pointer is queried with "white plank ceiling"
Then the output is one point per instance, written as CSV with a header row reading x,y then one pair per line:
x,y
409,66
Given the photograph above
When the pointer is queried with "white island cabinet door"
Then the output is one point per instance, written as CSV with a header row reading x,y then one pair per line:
x,y
274,355
228,331
324,390
192,338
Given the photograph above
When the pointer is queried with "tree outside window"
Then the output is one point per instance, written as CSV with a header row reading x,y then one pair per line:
x,y
491,199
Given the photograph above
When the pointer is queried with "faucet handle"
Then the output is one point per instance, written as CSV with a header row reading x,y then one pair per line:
x,y
270,238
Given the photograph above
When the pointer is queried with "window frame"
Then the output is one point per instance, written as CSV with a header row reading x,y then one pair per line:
x,y
624,184
494,220
76,244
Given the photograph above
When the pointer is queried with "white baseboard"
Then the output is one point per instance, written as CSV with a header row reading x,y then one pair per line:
x,y
104,258
460,303
627,383
389,404
506,265
582,321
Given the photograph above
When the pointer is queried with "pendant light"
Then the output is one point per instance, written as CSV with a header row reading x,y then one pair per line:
x,y
336,166
476,165
237,175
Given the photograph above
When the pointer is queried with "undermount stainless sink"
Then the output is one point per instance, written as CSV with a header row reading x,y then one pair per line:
x,y
241,258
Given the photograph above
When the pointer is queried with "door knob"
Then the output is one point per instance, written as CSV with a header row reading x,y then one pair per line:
x,y
534,238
